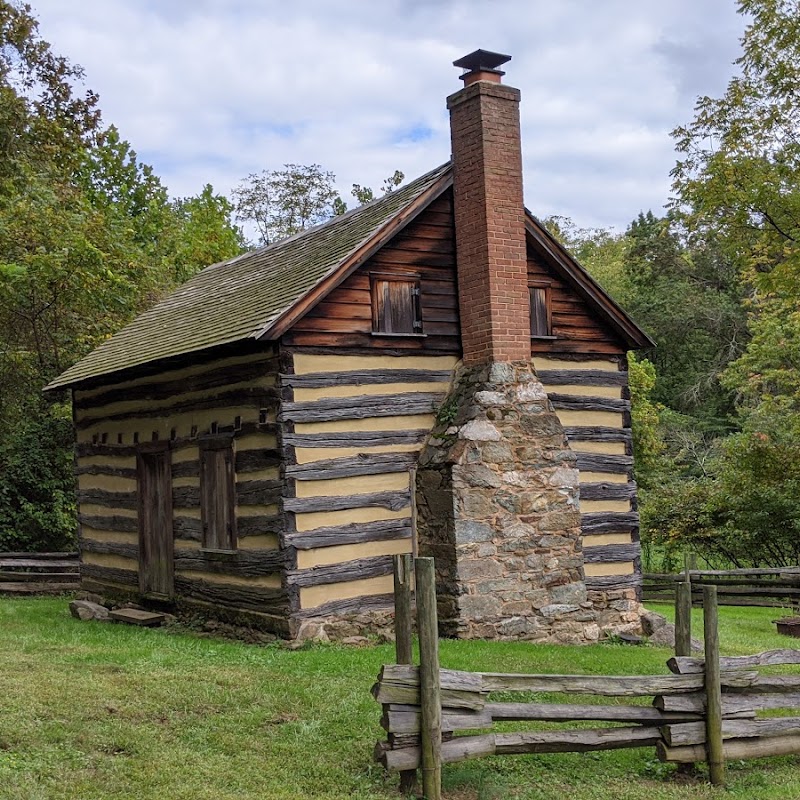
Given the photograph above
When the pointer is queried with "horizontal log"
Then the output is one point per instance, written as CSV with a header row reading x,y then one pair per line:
x,y
256,460
608,491
355,438
260,396
678,735
403,719
611,553
579,741
343,572
568,402
399,683
185,469
363,407
609,583
246,563
100,497
73,575
43,565
188,529
258,526
214,378
459,749
352,466
685,665
258,493
113,523
251,598
354,533
564,712
391,500
582,377
733,749
103,469
112,548
596,433
731,703
352,605
124,577
599,462
321,380
186,496
609,522
768,582
88,449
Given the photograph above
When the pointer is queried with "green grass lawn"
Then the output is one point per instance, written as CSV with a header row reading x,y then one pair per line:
x,y
92,711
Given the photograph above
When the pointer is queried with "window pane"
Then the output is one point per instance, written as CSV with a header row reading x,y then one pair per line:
x,y
539,323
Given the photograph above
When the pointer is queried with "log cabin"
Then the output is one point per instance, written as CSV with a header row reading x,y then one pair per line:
x,y
431,371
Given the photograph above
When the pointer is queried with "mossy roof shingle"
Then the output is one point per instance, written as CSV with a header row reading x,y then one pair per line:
x,y
241,298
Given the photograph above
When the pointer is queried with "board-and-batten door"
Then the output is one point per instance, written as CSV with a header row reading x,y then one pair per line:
x,y
154,473
218,494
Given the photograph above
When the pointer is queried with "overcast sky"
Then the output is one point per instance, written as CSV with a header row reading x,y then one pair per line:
x,y
208,91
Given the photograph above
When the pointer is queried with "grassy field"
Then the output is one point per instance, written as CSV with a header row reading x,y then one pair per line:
x,y
93,711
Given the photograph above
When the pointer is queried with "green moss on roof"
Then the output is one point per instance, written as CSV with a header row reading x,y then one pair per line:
x,y
241,298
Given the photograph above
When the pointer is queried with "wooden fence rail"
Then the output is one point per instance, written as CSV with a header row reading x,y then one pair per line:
x,y
704,709
38,573
735,587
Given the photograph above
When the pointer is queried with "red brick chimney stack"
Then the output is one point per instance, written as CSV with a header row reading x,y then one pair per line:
x,y
489,213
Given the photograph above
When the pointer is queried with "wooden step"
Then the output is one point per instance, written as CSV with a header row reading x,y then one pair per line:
x,y
134,616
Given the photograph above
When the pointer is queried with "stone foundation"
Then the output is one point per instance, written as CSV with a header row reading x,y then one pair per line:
x,y
497,498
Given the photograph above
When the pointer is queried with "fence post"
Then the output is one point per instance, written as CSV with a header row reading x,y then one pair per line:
x,y
713,688
683,618
402,638
429,689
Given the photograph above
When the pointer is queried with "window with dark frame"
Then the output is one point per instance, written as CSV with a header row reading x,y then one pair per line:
x,y
396,307
541,324
218,493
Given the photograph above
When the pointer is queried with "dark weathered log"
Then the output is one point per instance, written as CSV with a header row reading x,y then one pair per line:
x,y
735,749
114,548
352,466
256,459
713,688
124,577
342,572
697,575
247,563
214,378
611,582
596,433
459,749
253,598
354,533
679,735
42,577
185,496
403,622
102,469
688,665
399,683
353,605
599,462
187,528
259,396
355,438
731,703
582,377
555,712
579,741
610,553
608,491
42,565
406,719
364,407
88,449
391,500
258,493
570,402
112,523
609,522
100,497
321,380
258,526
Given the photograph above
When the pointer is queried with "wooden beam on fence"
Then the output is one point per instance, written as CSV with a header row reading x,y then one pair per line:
x,y
683,618
734,749
403,566
430,699
713,688
769,658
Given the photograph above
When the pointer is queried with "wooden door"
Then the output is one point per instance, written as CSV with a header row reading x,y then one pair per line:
x,y
156,573
218,494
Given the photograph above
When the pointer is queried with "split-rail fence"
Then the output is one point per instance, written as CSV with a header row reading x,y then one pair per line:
x,y
705,709
38,573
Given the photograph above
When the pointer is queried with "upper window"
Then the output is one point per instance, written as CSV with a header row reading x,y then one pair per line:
x,y
218,493
540,311
396,305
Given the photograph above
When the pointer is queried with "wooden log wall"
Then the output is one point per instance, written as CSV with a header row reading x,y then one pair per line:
x,y
591,398
351,427
235,397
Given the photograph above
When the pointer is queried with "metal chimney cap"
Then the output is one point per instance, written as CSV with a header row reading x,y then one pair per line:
x,y
482,61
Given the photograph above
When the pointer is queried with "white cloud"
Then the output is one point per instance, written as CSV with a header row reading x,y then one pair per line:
x,y
211,90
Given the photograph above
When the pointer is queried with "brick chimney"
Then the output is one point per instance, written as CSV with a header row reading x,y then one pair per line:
x,y
489,213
